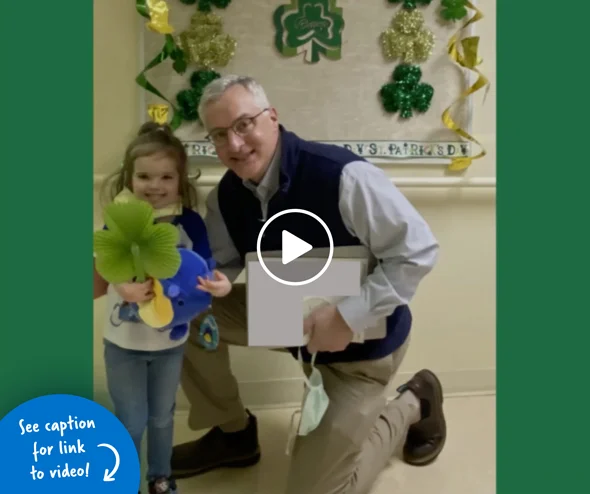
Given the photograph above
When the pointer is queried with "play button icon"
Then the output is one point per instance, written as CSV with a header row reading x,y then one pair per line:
x,y
295,260
293,247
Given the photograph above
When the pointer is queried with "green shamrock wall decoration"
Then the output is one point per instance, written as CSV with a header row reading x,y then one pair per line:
x,y
205,5
406,93
188,99
411,4
453,10
312,27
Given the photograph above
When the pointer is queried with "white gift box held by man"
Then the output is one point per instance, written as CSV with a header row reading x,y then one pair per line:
x,y
348,430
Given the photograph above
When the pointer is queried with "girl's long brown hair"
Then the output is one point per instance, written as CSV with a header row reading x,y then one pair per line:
x,y
151,139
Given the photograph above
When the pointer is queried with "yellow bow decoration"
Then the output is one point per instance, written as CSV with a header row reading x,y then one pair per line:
x,y
470,60
158,113
159,12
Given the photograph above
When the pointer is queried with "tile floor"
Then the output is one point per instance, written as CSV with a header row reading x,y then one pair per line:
x,y
467,465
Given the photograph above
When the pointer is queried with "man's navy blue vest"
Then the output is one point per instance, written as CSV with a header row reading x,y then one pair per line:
x,y
309,179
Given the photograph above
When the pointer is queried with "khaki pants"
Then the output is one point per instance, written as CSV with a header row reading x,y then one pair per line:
x,y
358,434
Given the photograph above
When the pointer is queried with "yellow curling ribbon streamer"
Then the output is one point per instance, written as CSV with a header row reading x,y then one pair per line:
x,y
159,12
154,11
469,60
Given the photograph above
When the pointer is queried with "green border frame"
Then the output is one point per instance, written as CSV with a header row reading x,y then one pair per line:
x,y
543,332
543,176
47,194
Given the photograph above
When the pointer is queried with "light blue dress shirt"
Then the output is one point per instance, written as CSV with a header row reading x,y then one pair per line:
x,y
373,210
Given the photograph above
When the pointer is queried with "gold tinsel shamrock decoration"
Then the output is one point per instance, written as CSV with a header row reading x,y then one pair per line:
x,y
188,99
453,10
411,4
406,93
407,38
205,44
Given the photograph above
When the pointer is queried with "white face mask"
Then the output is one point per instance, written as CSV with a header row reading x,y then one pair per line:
x,y
314,406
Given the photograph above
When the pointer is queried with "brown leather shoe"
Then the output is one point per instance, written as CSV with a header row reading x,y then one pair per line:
x,y
217,449
426,438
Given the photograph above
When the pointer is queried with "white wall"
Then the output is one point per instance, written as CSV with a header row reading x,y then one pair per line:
x,y
455,309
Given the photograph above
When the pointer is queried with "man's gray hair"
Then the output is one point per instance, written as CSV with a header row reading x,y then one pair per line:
x,y
216,88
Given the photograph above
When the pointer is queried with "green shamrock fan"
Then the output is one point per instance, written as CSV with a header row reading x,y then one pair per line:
x,y
132,247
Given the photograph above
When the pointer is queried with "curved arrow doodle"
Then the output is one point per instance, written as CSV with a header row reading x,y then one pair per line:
x,y
108,477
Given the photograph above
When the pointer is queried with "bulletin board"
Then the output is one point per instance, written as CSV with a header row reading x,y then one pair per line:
x,y
328,100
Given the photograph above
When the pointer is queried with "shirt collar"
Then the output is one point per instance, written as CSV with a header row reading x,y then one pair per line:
x,y
270,180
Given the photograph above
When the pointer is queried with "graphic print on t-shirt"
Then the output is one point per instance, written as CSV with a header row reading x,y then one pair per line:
x,y
129,312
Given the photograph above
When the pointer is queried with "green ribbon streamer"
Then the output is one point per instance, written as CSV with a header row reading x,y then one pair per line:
x,y
170,50
141,7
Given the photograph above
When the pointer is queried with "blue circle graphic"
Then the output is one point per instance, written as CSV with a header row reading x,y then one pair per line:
x,y
67,444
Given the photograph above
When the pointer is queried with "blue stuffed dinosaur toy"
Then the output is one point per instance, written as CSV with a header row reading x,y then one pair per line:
x,y
177,300
134,245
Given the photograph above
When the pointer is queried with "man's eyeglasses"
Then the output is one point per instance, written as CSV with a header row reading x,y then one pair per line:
x,y
242,127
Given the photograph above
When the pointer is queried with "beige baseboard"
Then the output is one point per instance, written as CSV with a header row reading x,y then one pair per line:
x,y
288,392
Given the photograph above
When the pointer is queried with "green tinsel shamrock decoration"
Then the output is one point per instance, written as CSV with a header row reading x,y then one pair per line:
x,y
178,57
411,4
406,93
187,104
188,99
201,78
453,10
205,5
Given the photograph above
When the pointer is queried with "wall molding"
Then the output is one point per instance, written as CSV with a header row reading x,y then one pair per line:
x,y
415,182
287,393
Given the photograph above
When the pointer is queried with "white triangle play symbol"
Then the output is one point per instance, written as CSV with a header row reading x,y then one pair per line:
x,y
293,247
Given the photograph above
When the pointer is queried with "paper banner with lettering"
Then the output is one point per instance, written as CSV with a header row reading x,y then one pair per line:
x,y
395,150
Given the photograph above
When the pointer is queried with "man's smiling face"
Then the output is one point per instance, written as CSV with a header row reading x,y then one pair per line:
x,y
244,134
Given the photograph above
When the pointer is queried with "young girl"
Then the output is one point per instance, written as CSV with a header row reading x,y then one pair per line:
x,y
143,365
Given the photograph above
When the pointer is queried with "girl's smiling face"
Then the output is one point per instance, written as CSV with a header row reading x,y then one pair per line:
x,y
156,180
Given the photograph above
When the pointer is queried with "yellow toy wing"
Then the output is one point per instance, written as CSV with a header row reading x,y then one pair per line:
x,y
158,312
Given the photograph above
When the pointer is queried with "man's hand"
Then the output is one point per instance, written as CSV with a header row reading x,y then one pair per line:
x,y
136,292
219,286
327,329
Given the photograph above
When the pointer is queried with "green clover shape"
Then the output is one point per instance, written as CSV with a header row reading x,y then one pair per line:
x,y
411,4
453,10
133,247
313,26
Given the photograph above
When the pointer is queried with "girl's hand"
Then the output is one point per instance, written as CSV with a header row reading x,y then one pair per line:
x,y
219,286
135,292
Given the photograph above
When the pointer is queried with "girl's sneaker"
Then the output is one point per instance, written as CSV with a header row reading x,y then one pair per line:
x,y
163,485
